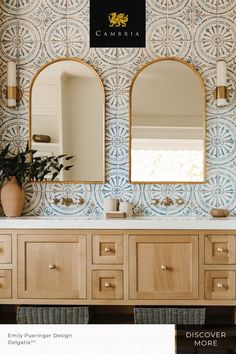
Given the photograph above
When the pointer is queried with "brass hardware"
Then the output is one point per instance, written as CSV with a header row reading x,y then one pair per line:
x,y
52,266
13,92
220,250
221,92
107,285
179,201
163,267
220,285
67,201
155,201
81,201
55,201
107,249
167,201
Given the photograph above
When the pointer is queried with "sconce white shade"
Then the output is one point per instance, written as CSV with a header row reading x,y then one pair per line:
x,y
221,73
11,84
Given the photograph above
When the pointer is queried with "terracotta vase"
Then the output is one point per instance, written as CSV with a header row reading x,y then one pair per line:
x,y
12,198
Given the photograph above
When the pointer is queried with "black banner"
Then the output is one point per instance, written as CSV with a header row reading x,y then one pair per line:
x,y
117,23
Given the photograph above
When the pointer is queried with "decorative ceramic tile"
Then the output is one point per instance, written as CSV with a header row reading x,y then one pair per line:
x,y
206,7
129,57
76,6
77,31
226,141
41,16
207,40
8,7
117,186
34,199
157,30
57,7
212,141
226,7
179,49
9,39
203,202
159,6
14,134
178,7
116,142
221,191
28,7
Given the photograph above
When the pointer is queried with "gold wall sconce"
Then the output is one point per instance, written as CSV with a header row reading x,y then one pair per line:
x,y
13,93
221,92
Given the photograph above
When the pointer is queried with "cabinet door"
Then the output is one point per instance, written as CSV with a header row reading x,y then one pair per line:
x,y
52,266
164,267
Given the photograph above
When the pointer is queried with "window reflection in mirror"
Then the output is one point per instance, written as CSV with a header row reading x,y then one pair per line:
x,y
67,105
167,124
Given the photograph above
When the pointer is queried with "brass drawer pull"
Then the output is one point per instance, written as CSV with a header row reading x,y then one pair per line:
x,y
107,249
220,250
52,266
107,285
163,267
220,285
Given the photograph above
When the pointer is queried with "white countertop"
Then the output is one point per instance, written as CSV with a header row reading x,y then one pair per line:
x,y
141,223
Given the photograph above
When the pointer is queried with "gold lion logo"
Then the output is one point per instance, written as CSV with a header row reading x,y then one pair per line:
x,y
117,20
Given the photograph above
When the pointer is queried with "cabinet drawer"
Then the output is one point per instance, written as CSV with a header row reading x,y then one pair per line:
x,y
107,249
52,266
219,285
108,284
5,248
5,284
220,249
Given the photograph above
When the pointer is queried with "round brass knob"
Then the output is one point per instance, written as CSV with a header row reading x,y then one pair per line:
x,y
220,285
220,250
107,285
52,266
163,267
107,249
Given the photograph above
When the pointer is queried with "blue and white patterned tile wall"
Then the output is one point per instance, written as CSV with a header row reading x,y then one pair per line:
x,y
198,31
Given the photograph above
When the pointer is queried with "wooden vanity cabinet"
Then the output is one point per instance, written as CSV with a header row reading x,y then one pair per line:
x,y
52,266
118,267
5,266
219,266
163,267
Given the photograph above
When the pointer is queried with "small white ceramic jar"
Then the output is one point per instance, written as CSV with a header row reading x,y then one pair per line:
x,y
126,208
110,204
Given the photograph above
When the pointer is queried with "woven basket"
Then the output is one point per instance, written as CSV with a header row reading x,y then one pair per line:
x,y
52,315
169,315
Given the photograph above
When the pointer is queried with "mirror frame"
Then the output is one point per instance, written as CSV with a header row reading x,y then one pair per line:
x,y
190,66
103,122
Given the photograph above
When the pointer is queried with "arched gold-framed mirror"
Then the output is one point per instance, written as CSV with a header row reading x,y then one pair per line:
x,y
67,104
167,123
